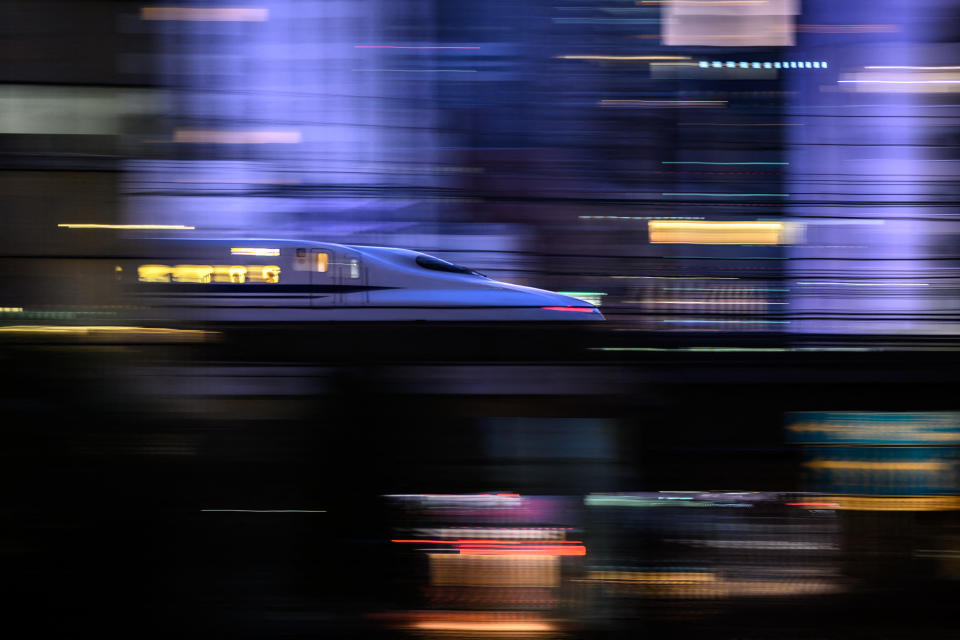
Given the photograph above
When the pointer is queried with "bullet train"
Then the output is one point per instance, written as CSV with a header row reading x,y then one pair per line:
x,y
230,280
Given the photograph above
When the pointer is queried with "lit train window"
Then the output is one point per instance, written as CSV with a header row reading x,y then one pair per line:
x,y
270,274
205,273
153,273
236,274
198,273
354,268
323,262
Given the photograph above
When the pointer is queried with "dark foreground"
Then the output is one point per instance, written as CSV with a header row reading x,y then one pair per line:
x,y
237,483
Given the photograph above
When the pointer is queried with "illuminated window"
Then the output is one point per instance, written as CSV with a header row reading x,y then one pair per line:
x,y
118,272
235,274
153,273
270,274
354,268
323,262
197,273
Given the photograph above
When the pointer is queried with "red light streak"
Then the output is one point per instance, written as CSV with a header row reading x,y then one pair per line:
x,y
580,309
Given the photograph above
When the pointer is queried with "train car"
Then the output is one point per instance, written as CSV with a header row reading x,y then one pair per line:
x,y
231,280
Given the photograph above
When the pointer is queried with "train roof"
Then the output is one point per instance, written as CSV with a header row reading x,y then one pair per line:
x,y
276,242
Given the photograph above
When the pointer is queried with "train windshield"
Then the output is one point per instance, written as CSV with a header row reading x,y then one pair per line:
x,y
431,262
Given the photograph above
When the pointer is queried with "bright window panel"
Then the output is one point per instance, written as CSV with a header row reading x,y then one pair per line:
x,y
197,273
153,273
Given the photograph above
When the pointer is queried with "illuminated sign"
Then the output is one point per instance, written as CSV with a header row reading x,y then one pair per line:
x,y
716,232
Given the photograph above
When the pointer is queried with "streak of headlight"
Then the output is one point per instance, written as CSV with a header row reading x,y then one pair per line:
x,y
739,124
847,28
701,302
869,284
105,329
730,195
210,136
726,321
484,626
905,67
671,278
897,503
698,162
207,14
486,542
262,511
390,46
898,81
594,57
125,226
611,102
710,3
731,349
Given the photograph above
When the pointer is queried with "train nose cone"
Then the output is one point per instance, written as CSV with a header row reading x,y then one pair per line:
x,y
566,307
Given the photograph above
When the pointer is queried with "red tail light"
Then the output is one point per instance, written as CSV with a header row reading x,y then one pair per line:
x,y
580,309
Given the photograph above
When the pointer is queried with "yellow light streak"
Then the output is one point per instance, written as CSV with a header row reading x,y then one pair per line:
x,y
652,577
895,503
591,57
125,226
254,251
878,466
715,232
107,331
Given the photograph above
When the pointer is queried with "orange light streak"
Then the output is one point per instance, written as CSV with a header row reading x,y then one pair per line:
x,y
524,551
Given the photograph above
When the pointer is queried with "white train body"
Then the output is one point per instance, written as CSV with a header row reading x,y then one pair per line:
x,y
301,281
